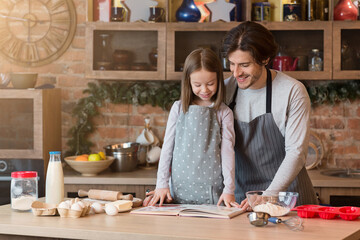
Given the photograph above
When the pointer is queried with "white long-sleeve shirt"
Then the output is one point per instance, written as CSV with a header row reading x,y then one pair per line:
x,y
290,107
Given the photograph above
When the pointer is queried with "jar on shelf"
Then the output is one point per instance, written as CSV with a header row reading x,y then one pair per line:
x,y
315,60
24,190
292,11
322,10
118,12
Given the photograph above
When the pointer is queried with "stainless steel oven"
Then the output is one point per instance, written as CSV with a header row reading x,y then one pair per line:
x,y
12,165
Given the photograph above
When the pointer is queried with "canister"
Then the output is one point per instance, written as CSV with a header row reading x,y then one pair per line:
x,y
261,11
292,12
24,190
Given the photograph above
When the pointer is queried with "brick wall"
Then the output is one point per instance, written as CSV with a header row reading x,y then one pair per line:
x,y
337,125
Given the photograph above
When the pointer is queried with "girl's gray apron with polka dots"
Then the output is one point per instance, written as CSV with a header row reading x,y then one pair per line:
x,y
196,176
259,152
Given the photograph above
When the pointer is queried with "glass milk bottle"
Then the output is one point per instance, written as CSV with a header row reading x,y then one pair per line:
x,y
54,179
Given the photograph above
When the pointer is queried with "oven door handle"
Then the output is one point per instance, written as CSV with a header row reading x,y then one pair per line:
x,y
5,178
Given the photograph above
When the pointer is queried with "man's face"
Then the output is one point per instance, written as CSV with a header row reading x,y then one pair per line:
x,y
247,72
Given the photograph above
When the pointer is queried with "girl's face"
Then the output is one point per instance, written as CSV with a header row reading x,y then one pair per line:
x,y
204,86
247,72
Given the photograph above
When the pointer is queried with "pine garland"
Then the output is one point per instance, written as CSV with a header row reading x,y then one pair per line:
x,y
163,94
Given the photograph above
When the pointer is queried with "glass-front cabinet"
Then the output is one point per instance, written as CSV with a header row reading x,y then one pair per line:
x,y
156,49
125,51
346,50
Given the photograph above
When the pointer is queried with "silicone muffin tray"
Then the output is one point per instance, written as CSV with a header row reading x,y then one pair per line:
x,y
311,211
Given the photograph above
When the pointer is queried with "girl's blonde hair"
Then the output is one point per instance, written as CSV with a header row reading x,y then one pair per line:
x,y
206,59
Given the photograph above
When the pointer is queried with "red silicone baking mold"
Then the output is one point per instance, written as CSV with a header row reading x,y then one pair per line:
x,y
311,211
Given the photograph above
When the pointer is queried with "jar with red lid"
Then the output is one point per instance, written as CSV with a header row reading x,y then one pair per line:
x,y
24,190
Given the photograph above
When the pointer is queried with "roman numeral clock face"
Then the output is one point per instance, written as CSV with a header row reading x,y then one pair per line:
x,y
36,32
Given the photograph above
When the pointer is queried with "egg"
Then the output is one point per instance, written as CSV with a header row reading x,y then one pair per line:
x,y
76,207
82,205
64,205
98,208
111,210
92,210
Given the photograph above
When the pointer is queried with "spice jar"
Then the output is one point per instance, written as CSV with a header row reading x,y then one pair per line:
x,y
24,190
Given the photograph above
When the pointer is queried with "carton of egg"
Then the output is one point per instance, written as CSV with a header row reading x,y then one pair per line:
x,y
73,208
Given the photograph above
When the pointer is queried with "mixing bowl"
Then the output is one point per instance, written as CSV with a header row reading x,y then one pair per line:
x,y
125,155
274,203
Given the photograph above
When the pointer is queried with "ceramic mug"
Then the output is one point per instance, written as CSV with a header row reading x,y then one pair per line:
x,y
153,155
156,14
145,138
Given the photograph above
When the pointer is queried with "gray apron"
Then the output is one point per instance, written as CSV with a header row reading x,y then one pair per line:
x,y
196,176
259,152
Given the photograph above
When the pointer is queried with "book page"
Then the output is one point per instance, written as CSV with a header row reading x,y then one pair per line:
x,y
210,211
165,209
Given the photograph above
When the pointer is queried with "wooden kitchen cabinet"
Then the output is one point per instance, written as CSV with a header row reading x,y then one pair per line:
x,y
346,50
175,40
138,39
339,196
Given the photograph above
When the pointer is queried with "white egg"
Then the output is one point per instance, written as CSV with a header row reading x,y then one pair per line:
x,y
92,210
64,205
76,207
98,208
68,202
82,205
111,210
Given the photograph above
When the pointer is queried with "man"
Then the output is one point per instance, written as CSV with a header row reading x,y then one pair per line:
x,y
271,112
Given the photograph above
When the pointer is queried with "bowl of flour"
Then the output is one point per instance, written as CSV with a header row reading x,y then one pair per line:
x,y
274,203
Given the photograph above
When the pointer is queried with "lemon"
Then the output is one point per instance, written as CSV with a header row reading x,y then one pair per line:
x,y
102,155
94,157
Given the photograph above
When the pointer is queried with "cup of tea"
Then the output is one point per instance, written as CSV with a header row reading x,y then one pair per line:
x,y
156,14
118,14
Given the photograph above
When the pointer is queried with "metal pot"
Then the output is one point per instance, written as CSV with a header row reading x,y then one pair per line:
x,y
125,155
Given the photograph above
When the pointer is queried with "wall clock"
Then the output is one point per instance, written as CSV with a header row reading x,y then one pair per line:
x,y
36,32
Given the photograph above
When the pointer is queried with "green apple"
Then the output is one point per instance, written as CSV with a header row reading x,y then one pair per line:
x,y
94,157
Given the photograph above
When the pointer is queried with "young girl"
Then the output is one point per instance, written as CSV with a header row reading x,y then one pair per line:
x,y
198,151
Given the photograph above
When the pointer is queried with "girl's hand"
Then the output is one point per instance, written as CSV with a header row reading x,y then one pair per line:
x,y
228,199
149,196
162,194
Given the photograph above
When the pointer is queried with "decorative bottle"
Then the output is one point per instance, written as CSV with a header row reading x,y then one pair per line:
x,y
54,190
188,12
345,10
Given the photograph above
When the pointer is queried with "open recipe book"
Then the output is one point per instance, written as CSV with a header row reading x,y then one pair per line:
x,y
187,210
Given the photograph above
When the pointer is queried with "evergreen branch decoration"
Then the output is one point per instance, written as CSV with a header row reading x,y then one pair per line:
x,y
163,94
334,92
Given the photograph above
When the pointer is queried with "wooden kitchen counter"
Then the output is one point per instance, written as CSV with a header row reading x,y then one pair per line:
x,y
128,226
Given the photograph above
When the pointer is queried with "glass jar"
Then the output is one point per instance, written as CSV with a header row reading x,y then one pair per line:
x,y
316,62
24,190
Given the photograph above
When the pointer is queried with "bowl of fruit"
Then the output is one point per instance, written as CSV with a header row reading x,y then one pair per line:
x,y
89,164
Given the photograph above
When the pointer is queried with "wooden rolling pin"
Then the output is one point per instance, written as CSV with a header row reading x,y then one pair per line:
x,y
104,195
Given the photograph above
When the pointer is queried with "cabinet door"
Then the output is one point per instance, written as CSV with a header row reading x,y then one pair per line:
x,y
182,38
346,50
296,39
125,51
